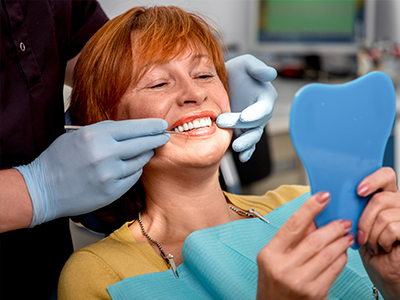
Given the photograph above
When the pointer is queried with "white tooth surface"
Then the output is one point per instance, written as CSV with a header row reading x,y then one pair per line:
x,y
194,125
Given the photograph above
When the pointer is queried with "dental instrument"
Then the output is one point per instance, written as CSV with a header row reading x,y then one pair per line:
x,y
76,127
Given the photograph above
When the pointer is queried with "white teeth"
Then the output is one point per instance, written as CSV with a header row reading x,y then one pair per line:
x,y
199,123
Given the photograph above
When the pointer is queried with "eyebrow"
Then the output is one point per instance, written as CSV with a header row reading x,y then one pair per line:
x,y
198,57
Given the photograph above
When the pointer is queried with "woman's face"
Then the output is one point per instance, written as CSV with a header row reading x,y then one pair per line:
x,y
188,94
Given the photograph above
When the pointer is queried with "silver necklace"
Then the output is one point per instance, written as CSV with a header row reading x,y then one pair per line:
x,y
169,258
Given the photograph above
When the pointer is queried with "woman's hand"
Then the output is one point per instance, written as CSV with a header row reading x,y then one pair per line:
x,y
302,262
379,231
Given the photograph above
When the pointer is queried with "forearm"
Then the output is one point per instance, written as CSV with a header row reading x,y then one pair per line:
x,y
15,203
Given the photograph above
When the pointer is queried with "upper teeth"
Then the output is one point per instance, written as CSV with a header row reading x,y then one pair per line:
x,y
198,123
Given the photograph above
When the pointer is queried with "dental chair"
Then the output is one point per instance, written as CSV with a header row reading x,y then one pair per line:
x,y
235,175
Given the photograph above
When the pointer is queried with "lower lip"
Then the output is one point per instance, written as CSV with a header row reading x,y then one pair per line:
x,y
204,131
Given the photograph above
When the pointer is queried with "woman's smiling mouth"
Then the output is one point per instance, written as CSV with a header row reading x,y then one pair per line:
x,y
195,124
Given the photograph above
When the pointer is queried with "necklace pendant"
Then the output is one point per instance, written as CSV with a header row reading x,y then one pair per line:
x,y
171,262
258,215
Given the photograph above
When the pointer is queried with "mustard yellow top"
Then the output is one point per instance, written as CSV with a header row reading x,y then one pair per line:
x,y
90,270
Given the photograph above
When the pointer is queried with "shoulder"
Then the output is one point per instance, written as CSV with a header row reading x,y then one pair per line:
x,y
87,274
270,200
90,270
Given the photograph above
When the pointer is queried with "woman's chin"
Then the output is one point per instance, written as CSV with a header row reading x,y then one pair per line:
x,y
195,152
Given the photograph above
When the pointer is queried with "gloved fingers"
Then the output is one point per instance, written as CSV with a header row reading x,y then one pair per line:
x,y
125,184
247,139
245,155
259,70
134,165
128,129
228,120
131,148
111,172
232,120
261,110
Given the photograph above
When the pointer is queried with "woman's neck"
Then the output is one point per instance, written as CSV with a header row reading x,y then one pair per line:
x,y
186,197
179,204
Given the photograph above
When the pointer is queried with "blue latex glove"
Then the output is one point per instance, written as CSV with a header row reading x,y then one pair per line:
x,y
89,168
252,101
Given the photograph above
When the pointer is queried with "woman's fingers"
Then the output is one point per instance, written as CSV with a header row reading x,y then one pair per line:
x,y
329,275
325,261
293,231
383,179
306,261
323,244
386,230
375,215
292,275
390,236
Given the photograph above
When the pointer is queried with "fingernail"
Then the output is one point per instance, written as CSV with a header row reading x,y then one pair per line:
x,y
350,237
370,250
363,190
360,237
323,197
346,224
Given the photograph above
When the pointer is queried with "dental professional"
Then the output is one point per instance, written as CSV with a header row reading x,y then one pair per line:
x,y
178,216
47,175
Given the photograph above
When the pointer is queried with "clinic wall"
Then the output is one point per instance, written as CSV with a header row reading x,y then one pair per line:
x,y
230,16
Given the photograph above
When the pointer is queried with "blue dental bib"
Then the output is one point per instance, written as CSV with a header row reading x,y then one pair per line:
x,y
220,263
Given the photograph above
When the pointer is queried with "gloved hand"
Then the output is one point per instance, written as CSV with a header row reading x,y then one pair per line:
x,y
252,101
86,169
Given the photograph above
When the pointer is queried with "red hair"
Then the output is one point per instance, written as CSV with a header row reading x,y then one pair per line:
x,y
121,52
116,58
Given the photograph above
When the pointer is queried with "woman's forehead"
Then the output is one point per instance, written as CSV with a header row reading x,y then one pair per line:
x,y
196,56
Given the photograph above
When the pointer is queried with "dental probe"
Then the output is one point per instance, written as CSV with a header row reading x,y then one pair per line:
x,y
76,127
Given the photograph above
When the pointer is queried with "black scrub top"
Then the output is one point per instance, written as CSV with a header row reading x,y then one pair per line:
x,y
38,37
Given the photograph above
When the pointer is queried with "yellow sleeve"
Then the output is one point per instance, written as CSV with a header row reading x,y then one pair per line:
x,y
85,276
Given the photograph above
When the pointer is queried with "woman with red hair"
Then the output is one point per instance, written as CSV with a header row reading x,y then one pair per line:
x,y
164,62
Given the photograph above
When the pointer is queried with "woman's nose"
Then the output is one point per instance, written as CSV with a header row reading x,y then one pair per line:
x,y
192,92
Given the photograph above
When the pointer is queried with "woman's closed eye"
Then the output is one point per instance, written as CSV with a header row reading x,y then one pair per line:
x,y
157,85
205,76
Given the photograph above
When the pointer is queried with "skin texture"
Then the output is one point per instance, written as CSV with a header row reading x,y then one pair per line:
x,y
180,91
379,231
307,260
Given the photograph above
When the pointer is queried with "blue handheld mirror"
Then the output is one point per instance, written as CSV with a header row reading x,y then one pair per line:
x,y
340,134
